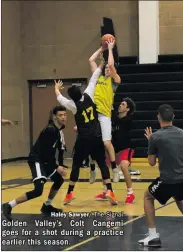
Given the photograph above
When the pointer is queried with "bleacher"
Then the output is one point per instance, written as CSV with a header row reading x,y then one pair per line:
x,y
151,85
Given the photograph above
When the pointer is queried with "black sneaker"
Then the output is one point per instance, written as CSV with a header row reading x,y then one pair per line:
x,y
7,211
47,210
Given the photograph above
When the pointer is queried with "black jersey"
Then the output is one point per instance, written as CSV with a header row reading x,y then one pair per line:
x,y
121,132
86,118
44,150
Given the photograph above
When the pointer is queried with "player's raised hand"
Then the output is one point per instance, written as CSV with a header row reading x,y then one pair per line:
x,y
59,85
148,132
110,44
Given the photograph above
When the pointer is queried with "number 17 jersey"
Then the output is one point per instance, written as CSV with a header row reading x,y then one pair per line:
x,y
86,118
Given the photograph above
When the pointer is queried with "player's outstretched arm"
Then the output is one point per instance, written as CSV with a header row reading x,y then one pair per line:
x,y
90,90
92,59
69,104
114,74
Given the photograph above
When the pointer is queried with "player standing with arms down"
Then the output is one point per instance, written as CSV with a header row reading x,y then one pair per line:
x,y
103,99
43,165
166,144
121,140
89,140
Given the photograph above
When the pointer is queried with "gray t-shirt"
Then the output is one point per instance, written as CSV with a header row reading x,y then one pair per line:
x,y
167,144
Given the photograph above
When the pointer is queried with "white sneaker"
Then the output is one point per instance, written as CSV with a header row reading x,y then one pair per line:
x,y
93,176
151,241
116,175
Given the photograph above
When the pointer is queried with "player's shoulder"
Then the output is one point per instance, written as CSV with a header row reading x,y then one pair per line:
x,y
156,133
86,97
177,131
127,118
50,128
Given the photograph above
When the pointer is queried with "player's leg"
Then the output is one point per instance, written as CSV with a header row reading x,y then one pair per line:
x,y
99,154
178,196
180,205
39,180
131,171
124,159
93,170
106,128
80,153
102,196
36,192
47,207
86,163
161,192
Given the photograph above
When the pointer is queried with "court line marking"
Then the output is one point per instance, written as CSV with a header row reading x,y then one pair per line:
x,y
98,236
9,186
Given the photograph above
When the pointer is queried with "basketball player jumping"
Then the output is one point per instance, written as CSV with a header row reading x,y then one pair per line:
x,y
121,127
166,144
89,140
43,165
103,99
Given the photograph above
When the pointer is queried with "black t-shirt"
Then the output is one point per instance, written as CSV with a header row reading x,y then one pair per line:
x,y
44,150
121,136
86,118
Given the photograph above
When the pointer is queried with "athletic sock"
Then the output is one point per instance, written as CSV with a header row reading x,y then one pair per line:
x,y
113,165
12,203
152,231
70,189
129,191
109,186
92,167
48,202
105,189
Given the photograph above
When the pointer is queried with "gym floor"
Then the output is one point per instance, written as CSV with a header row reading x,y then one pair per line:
x,y
36,232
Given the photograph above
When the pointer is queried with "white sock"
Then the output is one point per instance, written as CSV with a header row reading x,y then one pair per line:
x,y
105,189
12,203
129,191
152,231
48,202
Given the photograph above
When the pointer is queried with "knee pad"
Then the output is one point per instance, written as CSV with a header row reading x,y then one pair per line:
x,y
58,181
38,190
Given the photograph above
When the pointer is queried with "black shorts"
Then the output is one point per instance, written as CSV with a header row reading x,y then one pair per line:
x,y
85,147
163,192
41,171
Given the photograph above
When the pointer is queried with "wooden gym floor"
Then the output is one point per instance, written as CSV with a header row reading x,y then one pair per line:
x,y
16,180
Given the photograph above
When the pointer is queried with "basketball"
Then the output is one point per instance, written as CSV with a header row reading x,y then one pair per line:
x,y
107,37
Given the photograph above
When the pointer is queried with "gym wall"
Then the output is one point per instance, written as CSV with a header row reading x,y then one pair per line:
x,y
54,39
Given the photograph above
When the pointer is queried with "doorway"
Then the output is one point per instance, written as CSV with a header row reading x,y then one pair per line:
x,y
42,100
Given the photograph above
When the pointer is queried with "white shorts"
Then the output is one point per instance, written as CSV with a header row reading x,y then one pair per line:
x,y
106,128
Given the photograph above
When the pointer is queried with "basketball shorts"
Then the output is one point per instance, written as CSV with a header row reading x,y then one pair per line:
x,y
106,127
41,171
163,192
123,155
